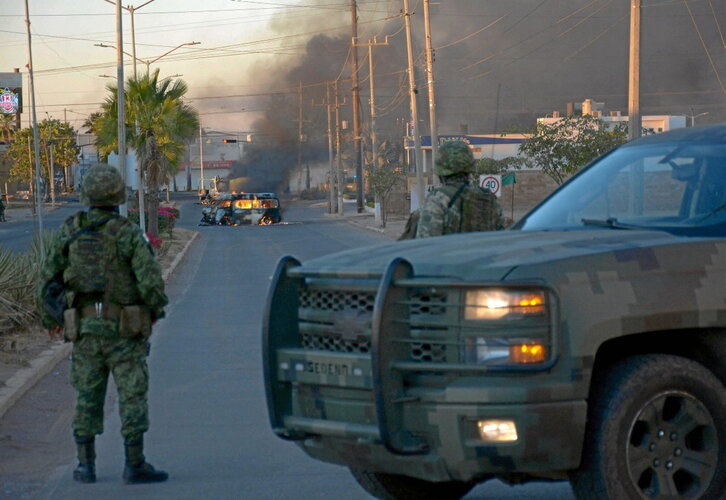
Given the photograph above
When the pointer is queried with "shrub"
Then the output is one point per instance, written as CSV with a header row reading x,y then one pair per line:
x,y
154,241
167,218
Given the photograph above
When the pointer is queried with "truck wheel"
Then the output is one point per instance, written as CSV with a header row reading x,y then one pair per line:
x,y
395,487
656,430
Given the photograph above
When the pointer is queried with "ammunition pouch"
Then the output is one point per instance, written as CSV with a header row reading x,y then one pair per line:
x,y
71,324
135,321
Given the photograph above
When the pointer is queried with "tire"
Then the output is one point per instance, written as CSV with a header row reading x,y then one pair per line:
x,y
395,487
651,420
265,220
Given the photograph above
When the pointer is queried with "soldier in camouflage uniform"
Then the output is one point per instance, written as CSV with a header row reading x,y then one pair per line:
x,y
438,215
132,293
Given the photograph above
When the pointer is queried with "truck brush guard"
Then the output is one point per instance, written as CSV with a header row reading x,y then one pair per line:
x,y
384,327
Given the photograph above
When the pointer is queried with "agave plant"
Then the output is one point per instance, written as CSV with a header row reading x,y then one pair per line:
x,y
18,284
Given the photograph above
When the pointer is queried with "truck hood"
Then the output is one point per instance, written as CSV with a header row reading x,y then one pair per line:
x,y
488,255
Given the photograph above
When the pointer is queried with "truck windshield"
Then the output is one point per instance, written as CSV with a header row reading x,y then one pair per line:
x,y
675,187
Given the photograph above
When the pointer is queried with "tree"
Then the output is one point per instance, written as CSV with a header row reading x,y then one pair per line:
x,y
7,127
51,133
564,147
158,123
385,172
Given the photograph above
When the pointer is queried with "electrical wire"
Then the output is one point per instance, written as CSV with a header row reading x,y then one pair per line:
x,y
718,26
471,34
584,19
595,39
705,47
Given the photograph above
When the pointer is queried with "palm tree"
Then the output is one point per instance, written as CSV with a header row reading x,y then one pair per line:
x,y
7,127
158,124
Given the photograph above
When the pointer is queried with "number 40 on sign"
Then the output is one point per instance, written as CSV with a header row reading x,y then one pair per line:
x,y
491,182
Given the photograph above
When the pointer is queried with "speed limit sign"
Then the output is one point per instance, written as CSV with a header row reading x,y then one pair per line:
x,y
492,182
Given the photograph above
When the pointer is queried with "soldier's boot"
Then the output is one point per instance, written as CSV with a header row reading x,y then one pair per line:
x,y
137,470
86,470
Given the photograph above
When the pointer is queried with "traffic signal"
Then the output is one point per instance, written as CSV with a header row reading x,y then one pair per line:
x,y
227,141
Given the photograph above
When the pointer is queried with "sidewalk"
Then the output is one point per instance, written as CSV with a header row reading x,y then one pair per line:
x,y
366,220
13,214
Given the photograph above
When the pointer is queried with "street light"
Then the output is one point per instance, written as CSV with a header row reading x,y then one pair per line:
x,y
150,61
131,9
693,117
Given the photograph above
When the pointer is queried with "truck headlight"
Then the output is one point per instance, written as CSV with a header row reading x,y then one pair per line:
x,y
515,326
497,303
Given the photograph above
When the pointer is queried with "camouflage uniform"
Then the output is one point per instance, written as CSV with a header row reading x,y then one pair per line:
x,y
453,164
100,349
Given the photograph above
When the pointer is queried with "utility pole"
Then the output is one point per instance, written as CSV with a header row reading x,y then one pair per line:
x,y
420,192
121,104
35,135
356,110
332,207
374,138
299,138
372,43
52,169
338,164
202,190
131,9
635,122
430,83
331,194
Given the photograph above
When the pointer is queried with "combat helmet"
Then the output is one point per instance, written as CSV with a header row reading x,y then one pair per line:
x,y
454,157
102,187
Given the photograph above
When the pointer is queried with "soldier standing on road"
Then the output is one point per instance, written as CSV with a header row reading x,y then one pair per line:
x,y
114,293
2,208
457,206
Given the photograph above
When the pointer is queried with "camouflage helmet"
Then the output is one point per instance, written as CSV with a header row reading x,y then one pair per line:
x,y
102,187
454,157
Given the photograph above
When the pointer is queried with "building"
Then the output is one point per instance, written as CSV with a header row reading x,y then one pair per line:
x,y
656,123
219,150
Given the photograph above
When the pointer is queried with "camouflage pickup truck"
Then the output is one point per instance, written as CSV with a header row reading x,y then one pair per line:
x,y
587,343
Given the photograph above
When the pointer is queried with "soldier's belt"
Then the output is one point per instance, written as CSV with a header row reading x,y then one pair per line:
x,y
101,310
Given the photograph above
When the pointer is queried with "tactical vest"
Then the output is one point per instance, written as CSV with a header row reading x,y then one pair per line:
x,y
96,271
469,209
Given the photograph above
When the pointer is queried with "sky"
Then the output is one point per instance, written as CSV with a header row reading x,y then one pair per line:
x,y
498,63
68,65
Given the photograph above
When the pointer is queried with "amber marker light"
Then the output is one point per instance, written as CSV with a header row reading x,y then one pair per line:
x,y
527,353
497,431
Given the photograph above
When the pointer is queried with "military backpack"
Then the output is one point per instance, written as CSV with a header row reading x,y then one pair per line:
x,y
470,208
95,267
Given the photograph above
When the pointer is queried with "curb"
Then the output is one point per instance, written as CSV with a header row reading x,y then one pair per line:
x,y
20,383
165,275
364,226
26,378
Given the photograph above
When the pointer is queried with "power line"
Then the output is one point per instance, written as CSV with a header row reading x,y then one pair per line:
x,y
703,43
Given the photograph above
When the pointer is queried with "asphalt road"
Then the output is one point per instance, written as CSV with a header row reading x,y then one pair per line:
x,y
17,234
209,426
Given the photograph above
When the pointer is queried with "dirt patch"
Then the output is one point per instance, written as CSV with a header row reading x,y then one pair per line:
x,y
171,248
17,349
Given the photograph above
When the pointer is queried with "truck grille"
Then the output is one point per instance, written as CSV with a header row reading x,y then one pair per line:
x,y
340,321
333,300
335,343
